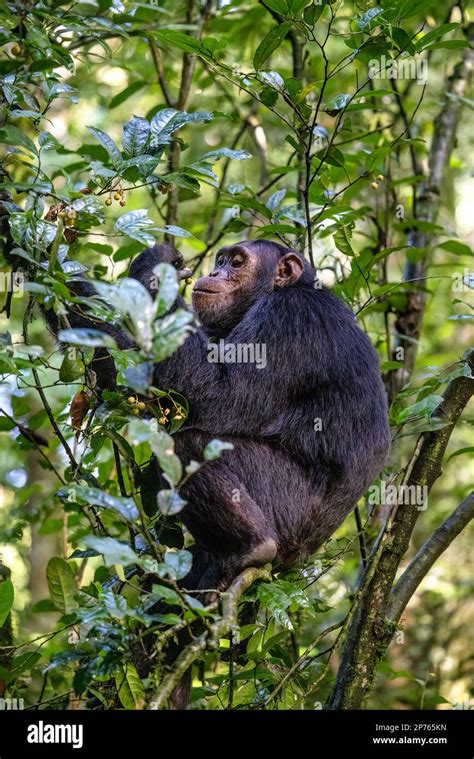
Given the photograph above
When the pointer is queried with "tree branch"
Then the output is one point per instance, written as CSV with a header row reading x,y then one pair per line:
x,y
426,556
369,632
209,639
427,204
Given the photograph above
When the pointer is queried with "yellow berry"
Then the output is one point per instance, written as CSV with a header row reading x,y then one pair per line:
x,y
108,202
141,405
123,203
117,196
167,411
189,280
380,178
131,399
16,49
135,412
62,214
178,417
162,420
375,185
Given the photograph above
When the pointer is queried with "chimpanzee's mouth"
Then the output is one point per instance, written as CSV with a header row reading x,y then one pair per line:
x,y
206,292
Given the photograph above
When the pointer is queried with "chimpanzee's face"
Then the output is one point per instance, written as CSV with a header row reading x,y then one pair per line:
x,y
230,289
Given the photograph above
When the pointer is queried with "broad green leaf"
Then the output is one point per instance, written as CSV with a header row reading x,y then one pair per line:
x,y
454,246
136,134
236,155
369,16
170,502
168,120
179,40
62,584
7,595
432,35
130,298
137,225
161,444
172,229
270,43
168,286
130,689
342,241
113,551
110,146
176,565
71,369
86,337
95,497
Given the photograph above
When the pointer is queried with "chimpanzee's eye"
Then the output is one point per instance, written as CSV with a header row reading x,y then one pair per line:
x,y
220,261
237,261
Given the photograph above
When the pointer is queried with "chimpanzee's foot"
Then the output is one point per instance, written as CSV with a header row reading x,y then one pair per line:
x,y
263,553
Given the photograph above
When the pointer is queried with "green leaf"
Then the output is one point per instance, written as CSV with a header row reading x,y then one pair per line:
x,y
113,551
167,289
454,246
179,40
342,241
170,502
369,16
121,97
71,369
95,497
86,337
236,155
11,135
136,134
137,225
162,445
214,449
107,143
448,45
176,564
173,229
461,452
7,595
270,43
169,120
130,689
61,584
434,34
130,298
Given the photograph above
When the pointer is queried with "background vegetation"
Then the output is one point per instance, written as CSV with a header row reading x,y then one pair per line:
x,y
202,123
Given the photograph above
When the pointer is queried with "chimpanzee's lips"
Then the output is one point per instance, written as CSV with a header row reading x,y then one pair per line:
x,y
206,291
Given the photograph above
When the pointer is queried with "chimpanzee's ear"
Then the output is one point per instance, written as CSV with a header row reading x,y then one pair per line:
x,y
289,270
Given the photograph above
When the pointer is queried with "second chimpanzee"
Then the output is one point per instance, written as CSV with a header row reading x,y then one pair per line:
x,y
308,425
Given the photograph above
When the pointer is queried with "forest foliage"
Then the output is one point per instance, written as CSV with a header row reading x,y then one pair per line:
x,y
338,128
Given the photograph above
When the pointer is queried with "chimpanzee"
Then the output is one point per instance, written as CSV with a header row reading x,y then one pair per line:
x,y
309,428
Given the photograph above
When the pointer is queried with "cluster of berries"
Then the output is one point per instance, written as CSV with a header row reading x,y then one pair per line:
x,y
135,405
118,195
378,179
69,215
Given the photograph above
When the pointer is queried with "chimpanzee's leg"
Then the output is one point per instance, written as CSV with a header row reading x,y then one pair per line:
x,y
227,523
222,516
